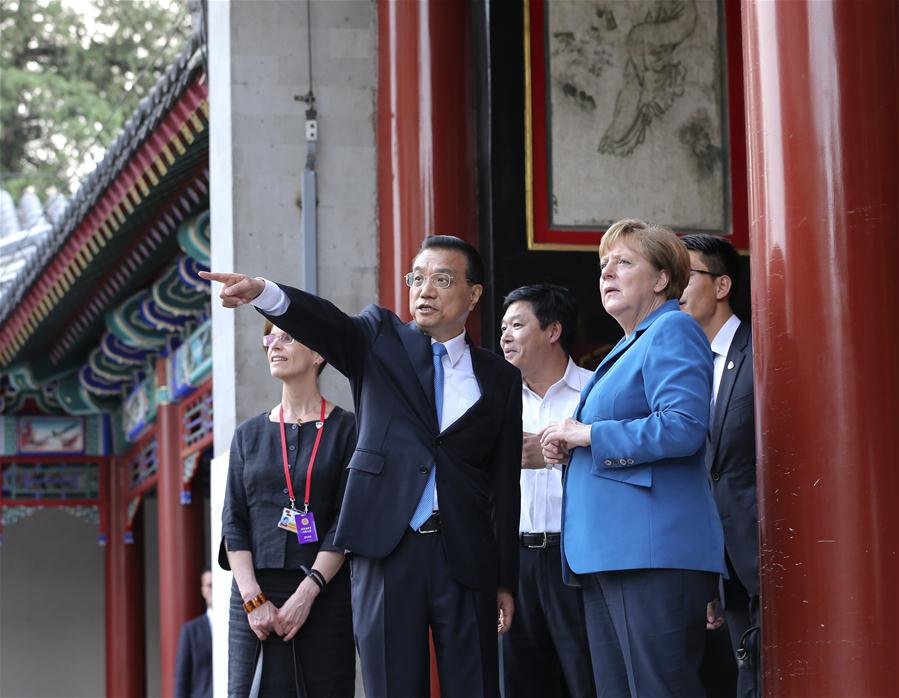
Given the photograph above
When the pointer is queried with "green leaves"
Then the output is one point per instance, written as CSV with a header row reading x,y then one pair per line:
x,y
69,80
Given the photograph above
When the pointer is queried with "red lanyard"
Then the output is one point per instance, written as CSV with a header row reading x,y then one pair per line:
x,y
318,438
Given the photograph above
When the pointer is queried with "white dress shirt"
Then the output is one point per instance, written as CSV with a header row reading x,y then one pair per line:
x,y
720,347
460,387
541,490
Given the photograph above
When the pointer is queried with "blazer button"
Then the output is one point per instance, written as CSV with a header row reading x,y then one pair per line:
x,y
630,461
716,477
607,462
292,447
285,490
622,461
423,470
293,427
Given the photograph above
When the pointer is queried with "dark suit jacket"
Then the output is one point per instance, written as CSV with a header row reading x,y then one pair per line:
x,y
390,368
193,667
731,459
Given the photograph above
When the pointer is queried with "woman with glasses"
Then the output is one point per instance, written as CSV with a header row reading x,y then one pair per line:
x,y
640,530
290,600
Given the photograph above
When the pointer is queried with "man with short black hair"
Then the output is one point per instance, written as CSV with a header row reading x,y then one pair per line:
x,y
546,652
730,452
430,512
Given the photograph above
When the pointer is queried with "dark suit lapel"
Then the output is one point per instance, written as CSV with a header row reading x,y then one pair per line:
x,y
206,635
733,362
418,351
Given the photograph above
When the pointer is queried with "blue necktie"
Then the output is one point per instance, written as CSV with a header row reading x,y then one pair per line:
x,y
426,504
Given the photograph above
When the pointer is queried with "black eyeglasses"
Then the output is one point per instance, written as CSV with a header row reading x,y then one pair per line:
x,y
703,271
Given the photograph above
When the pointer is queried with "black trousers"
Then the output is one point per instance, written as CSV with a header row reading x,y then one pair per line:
x,y
545,654
646,630
741,612
396,599
322,651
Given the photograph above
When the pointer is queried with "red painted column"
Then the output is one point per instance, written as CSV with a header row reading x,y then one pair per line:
x,y
822,98
126,670
180,542
426,145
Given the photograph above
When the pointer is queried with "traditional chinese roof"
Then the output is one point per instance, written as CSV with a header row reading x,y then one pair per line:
x,y
116,273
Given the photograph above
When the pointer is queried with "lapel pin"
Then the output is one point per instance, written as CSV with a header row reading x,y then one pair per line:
x,y
730,365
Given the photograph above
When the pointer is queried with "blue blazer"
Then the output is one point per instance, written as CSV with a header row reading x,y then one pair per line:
x,y
639,497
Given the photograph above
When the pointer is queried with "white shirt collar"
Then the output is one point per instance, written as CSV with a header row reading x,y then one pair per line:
x,y
455,347
209,615
722,341
573,378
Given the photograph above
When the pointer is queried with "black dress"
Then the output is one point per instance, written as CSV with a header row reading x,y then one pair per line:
x,y
322,651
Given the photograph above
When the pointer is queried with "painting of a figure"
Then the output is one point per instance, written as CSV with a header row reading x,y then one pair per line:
x,y
636,122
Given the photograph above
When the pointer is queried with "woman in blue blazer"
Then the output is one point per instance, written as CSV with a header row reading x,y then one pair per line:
x,y
640,531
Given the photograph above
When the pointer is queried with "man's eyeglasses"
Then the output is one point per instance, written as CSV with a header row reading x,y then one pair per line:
x,y
269,340
703,271
440,279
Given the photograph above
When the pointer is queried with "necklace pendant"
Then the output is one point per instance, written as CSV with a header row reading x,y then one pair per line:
x,y
319,424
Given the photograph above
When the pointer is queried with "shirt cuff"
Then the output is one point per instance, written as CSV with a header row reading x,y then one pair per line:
x,y
272,300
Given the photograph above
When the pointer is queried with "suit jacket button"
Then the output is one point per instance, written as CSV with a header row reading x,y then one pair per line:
x,y
423,470
622,461
285,490
630,461
716,477
607,462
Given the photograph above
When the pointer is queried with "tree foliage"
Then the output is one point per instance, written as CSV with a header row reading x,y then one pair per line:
x,y
69,78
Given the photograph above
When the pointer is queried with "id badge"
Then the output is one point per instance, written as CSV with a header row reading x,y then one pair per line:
x,y
288,519
304,524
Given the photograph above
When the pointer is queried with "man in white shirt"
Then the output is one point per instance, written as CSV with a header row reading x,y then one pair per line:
x,y
730,452
546,652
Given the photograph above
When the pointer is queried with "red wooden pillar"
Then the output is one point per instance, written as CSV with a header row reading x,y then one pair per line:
x,y
426,142
822,97
426,145
126,670
180,539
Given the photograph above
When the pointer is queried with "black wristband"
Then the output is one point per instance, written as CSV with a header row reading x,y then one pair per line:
x,y
318,578
315,576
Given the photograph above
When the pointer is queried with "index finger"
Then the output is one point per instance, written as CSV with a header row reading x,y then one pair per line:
x,y
223,277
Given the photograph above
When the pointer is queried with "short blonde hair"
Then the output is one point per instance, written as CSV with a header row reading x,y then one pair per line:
x,y
661,247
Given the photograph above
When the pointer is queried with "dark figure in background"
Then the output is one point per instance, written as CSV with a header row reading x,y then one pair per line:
x,y
430,514
730,454
546,652
193,667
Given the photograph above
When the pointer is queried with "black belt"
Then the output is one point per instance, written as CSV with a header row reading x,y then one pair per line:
x,y
432,525
540,540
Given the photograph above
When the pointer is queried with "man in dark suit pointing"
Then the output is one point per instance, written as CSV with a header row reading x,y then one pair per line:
x,y
730,452
430,513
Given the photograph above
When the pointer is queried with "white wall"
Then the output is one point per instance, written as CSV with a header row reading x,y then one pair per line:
x,y
51,604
